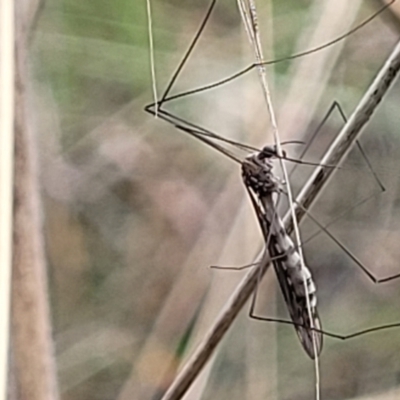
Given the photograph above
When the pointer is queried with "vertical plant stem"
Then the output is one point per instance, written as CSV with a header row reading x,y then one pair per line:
x,y
6,176
32,347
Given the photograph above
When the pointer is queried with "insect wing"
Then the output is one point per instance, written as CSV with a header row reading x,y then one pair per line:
x,y
297,308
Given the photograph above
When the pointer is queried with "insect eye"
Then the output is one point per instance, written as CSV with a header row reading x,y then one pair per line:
x,y
268,152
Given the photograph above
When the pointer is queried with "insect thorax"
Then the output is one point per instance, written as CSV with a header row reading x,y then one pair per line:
x,y
257,174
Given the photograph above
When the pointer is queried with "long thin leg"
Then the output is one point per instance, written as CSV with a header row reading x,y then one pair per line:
x,y
370,275
336,106
242,267
252,315
166,98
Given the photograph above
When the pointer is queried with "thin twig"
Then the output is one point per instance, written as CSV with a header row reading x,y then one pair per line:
x,y
335,155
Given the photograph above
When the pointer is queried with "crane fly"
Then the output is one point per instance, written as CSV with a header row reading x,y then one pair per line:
x,y
291,273
262,184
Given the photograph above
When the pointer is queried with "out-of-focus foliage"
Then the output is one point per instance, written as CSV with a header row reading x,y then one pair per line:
x,y
135,211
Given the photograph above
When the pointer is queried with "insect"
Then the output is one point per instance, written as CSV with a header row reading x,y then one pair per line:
x,y
292,275
209,137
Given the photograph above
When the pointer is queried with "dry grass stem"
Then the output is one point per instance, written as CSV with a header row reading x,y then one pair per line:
x,y
32,346
6,176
